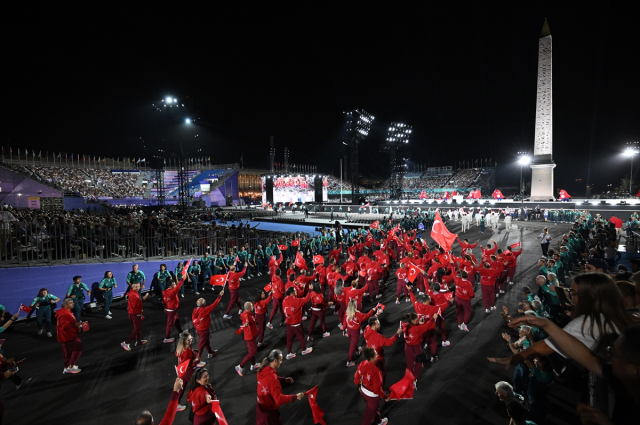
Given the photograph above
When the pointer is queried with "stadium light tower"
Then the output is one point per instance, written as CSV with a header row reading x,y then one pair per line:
x,y
357,129
397,136
524,160
632,149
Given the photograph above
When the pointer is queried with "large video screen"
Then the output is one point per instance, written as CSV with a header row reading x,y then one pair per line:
x,y
263,181
293,189
325,192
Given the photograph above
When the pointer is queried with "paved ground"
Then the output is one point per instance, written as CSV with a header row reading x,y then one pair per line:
x,y
115,385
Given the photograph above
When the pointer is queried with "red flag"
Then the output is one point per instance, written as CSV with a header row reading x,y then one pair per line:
x,y
268,288
185,269
423,195
403,389
218,280
448,295
413,272
215,408
441,234
85,326
25,308
282,247
380,307
375,225
318,414
516,245
181,369
295,242
239,331
318,259
237,259
300,262
264,204
368,204
290,203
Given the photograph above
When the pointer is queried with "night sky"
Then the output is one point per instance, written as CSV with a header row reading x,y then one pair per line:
x,y
463,74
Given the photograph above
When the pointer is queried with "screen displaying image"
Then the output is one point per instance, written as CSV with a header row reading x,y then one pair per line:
x,y
325,193
264,193
293,189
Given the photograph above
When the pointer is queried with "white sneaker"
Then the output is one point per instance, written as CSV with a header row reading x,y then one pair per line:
x,y
49,334
107,317
182,295
502,292
249,277
239,370
71,370
168,340
486,310
378,296
305,318
180,407
197,293
226,317
351,364
76,368
239,311
290,356
497,295
269,325
326,334
420,293
125,346
307,351
445,343
201,364
40,332
109,313
510,283
366,294
407,300
494,307
397,301
255,366
332,306
465,328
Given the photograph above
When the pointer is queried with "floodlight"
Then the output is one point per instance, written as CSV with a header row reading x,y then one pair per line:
x,y
188,121
524,160
169,100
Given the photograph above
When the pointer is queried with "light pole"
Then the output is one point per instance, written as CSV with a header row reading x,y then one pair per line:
x,y
523,160
632,149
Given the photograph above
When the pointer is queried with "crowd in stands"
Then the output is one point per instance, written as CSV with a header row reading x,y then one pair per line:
x,y
463,178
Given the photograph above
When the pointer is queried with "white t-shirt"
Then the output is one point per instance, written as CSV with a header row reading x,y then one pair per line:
x,y
574,328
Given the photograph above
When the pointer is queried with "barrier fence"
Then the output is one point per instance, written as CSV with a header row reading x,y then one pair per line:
x,y
23,243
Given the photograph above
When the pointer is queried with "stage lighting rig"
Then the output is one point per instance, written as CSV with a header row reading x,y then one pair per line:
x,y
397,136
358,125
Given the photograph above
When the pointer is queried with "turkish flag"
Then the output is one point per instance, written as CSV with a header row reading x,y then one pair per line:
x,y
454,193
300,262
477,194
375,225
446,195
471,194
181,369
516,245
185,268
423,195
413,272
215,408
380,307
268,288
295,242
85,326
239,331
282,247
448,295
25,308
318,259
441,234
218,280
403,389
318,414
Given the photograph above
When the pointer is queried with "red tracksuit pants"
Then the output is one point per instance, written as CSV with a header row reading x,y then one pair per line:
x,y
354,337
276,304
252,349
71,352
261,324
372,411
410,353
463,310
136,322
315,316
295,331
173,319
488,296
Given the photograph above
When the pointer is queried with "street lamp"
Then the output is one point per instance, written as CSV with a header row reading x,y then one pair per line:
x,y
523,160
632,149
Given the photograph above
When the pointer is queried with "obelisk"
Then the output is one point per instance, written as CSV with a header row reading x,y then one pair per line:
x,y
542,163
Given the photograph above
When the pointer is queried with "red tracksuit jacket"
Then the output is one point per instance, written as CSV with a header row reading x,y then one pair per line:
x,y
358,319
134,302
370,377
66,325
234,279
200,315
376,341
293,307
464,290
170,296
270,389
261,306
249,324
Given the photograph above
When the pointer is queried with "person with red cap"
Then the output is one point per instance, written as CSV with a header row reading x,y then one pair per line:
x,y
464,293
270,397
352,322
134,307
202,321
369,380
171,304
293,308
68,330
277,286
250,331
233,278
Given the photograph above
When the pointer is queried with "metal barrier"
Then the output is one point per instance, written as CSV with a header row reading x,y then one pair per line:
x,y
23,243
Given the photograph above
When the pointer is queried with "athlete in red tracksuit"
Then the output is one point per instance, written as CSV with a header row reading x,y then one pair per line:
x,y
134,307
270,396
184,352
277,286
260,306
233,280
171,304
68,330
293,308
488,275
250,335
353,293
318,311
352,322
466,245
202,321
402,273
374,273
341,302
375,340
414,330
464,293
511,258
442,299
332,278
488,251
425,308
369,380
200,399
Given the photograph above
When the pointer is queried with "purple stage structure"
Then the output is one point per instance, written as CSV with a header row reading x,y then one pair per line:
x,y
16,189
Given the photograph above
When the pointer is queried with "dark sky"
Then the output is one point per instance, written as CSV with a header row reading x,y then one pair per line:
x,y
463,74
